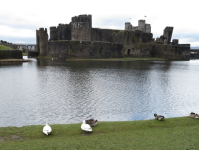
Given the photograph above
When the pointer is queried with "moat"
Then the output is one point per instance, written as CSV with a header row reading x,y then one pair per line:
x,y
69,92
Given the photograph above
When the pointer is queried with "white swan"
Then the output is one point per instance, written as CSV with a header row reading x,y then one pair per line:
x,y
47,129
86,127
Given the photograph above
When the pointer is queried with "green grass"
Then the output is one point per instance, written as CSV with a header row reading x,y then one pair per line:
x,y
2,47
172,133
25,54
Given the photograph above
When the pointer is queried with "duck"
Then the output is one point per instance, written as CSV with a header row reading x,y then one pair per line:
x,y
91,122
86,127
192,115
159,117
47,129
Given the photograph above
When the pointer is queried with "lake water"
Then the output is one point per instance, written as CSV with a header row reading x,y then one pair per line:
x,y
69,92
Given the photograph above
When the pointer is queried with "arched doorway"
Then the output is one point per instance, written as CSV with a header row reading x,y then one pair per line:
x,y
128,52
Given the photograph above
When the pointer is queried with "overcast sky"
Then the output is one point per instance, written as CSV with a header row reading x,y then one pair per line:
x,y
19,19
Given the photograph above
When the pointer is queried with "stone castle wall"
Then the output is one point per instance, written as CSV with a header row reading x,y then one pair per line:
x,y
75,49
121,36
176,52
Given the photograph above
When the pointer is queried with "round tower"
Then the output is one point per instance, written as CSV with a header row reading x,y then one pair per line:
x,y
42,41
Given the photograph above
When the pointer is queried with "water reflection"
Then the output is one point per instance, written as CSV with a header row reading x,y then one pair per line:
x,y
68,92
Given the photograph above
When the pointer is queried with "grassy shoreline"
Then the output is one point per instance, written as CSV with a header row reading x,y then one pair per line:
x,y
172,133
2,47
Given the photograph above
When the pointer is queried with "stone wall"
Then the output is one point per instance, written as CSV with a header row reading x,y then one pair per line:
x,y
11,54
76,49
121,36
170,52
33,54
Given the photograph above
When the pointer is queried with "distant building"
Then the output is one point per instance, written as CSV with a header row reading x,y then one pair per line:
x,y
141,26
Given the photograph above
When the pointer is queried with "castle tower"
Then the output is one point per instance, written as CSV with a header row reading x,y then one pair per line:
x,y
168,34
53,33
59,28
42,41
128,26
141,25
148,28
81,27
175,42
64,31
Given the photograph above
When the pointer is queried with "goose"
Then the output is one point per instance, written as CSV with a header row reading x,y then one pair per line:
x,y
91,122
47,129
192,114
159,117
86,127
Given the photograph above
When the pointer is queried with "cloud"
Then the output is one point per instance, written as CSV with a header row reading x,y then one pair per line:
x,y
28,40
16,32
24,17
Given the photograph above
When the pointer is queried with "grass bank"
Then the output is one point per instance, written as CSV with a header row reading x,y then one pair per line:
x,y
25,54
172,133
2,47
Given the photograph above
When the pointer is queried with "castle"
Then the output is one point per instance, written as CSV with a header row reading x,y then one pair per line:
x,y
79,40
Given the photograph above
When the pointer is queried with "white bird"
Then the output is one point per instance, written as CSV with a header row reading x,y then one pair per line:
x,y
86,127
47,129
